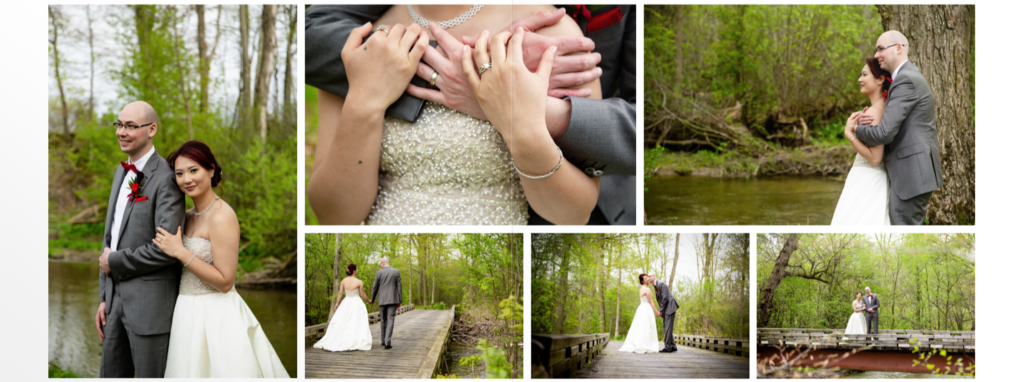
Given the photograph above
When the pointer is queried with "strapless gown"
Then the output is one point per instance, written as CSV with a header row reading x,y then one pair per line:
x,y
447,168
214,334
865,197
349,328
643,331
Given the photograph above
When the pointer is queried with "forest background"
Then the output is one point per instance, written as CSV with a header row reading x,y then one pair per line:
x,y
765,90
587,283
923,281
480,274
223,75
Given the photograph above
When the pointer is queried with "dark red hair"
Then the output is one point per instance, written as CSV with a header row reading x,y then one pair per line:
x,y
350,270
642,277
199,152
878,72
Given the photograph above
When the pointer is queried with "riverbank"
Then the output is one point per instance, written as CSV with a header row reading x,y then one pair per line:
x,y
811,160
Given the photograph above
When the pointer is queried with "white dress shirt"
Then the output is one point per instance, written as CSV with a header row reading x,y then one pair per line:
x,y
122,197
898,69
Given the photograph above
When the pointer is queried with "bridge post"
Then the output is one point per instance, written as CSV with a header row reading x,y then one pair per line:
x,y
733,346
563,355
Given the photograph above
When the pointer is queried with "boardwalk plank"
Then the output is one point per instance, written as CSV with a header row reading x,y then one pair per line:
x,y
414,336
686,363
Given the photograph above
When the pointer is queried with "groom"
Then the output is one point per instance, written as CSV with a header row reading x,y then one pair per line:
x,y
871,310
907,130
389,282
138,282
668,307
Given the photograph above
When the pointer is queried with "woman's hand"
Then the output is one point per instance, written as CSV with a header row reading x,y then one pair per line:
x,y
851,123
379,70
508,93
170,244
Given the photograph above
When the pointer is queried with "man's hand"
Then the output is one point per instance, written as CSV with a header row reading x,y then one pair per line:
x,y
658,314
453,88
101,319
574,63
865,119
105,261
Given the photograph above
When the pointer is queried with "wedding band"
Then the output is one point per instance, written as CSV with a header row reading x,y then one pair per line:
x,y
384,29
433,78
484,67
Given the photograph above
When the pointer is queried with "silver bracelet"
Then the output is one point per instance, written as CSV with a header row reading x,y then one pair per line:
x,y
557,166
190,260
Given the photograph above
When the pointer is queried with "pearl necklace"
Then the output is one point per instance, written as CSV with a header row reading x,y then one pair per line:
x,y
208,207
444,24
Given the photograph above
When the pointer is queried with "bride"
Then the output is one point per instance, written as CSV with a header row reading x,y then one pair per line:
x,y
213,332
865,197
642,336
349,329
857,324
447,167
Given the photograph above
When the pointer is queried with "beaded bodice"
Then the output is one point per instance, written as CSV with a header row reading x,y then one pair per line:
x,y
446,168
190,284
352,293
861,161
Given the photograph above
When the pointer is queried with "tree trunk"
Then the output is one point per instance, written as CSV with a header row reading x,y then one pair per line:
x,y
674,262
680,27
206,54
337,273
92,65
245,103
56,69
941,41
289,81
265,67
767,300
563,281
600,282
182,87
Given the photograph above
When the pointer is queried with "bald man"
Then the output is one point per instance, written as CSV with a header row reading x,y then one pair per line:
x,y
138,281
907,130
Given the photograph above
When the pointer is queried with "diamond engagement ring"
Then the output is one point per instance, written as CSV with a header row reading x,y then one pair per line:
x,y
484,67
433,78
384,29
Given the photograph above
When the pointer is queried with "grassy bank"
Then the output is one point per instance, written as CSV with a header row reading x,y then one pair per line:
x,y
812,160
55,371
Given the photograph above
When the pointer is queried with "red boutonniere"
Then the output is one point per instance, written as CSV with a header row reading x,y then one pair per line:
x,y
135,185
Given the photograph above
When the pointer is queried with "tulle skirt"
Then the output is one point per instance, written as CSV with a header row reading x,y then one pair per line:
x,y
215,335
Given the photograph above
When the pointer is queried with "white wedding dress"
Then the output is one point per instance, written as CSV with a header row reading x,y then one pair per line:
x,y
214,334
857,324
643,331
349,329
865,197
447,168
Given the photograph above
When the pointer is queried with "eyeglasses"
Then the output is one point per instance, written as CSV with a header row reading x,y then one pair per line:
x,y
879,50
119,126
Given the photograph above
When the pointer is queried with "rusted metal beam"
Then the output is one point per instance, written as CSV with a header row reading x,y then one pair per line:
x,y
865,360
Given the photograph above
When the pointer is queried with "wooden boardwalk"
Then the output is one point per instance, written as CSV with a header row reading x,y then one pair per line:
x,y
887,340
687,362
418,341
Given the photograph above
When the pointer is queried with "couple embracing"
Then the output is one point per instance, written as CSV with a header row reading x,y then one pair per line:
x,y
167,300
864,319
897,166
643,332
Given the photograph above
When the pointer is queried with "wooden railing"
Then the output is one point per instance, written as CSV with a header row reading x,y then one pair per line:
x,y
438,350
734,346
892,340
316,331
562,355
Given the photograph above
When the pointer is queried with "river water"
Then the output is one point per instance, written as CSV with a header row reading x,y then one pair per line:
x,y
700,200
73,298
455,353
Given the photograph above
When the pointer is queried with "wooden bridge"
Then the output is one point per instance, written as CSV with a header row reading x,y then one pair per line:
x,y
419,340
889,350
594,356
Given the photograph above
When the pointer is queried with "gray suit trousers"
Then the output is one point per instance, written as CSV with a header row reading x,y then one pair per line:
x,y
908,212
387,322
668,323
128,355
872,319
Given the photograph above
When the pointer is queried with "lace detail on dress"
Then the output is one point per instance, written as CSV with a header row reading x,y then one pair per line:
x,y
861,161
446,168
190,284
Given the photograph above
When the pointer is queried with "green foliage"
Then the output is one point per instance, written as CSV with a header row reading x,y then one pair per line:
x,y
924,281
55,371
497,366
652,161
956,368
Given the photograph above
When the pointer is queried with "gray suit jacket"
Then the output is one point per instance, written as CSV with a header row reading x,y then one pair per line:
x,y
601,137
873,304
145,277
908,132
666,301
387,281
